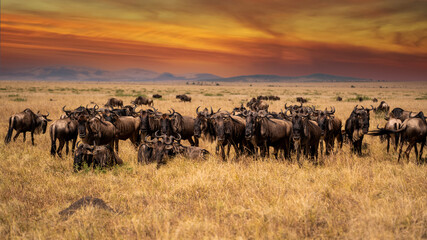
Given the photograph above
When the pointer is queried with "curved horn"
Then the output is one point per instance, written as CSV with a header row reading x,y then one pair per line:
x,y
211,111
78,143
197,110
96,107
178,138
285,106
170,115
372,108
219,109
157,135
63,109
245,113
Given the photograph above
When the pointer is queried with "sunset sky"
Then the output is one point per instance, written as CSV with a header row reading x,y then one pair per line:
x,y
384,39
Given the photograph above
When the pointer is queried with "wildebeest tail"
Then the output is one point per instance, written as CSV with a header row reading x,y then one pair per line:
x,y
9,131
53,139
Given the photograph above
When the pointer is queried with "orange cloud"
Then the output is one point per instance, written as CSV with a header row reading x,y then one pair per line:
x,y
376,39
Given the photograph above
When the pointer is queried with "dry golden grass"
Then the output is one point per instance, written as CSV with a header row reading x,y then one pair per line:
x,y
353,197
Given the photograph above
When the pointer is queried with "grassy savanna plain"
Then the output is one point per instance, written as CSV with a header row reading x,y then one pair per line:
x,y
350,197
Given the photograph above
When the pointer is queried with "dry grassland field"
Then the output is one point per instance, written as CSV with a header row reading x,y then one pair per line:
x,y
349,197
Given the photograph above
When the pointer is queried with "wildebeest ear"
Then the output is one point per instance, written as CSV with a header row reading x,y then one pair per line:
x,y
47,119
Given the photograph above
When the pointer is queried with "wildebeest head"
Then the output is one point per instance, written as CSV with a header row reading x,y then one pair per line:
x,y
363,117
41,123
219,125
200,123
82,154
299,126
324,120
165,123
251,121
83,122
161,145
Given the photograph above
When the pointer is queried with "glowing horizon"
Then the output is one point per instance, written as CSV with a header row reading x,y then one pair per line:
x,y
367,39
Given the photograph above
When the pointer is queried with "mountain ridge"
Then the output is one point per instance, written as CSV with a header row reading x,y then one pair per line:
x,y
78,73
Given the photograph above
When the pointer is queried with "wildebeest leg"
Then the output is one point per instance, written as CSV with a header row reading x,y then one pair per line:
x,y
61,146
340,139
408,150
222,152
196,141
321,147
396,141
73,145
32,138
25,136
16,135
416,152
388,143
421,151
400,150
276,151
53,147
66,147
190,140
116,142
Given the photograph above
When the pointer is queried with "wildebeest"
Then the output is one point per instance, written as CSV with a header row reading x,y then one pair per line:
x,y
95,131
26,121
156,149
339,99
331,129
356,126
306,135
392,125
257,105
127,127
399,113
157,96
230,131
141,100
382,108
174,123
203,124
149,123
114,102
183,98
413,130
263,132
63,130
374,100
360,99
97,156
301,100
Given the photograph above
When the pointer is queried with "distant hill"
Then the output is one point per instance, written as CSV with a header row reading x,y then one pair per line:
x,y
317,77
77,73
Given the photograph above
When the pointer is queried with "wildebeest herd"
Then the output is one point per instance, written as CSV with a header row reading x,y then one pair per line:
x,y
251,131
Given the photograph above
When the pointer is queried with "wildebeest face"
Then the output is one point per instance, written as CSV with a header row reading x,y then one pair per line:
x,y
297,127
250,124
219,127
82,120
200,124
363,121
165,124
